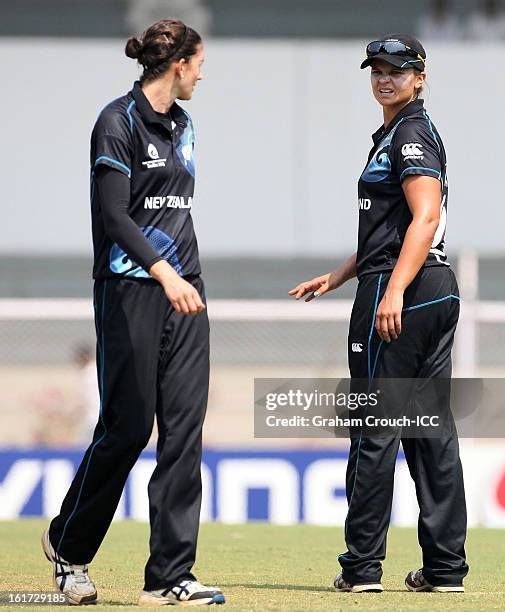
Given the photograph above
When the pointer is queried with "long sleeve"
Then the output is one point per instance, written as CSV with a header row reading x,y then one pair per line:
x,y
114,196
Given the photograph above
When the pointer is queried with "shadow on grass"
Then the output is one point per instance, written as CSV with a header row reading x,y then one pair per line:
x,y
300,587
280,587
110,602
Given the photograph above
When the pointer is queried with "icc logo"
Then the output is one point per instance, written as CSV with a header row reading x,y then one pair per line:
x,y
152,152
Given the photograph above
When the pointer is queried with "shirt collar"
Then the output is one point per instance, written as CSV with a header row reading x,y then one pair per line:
x,y
149,115
410,109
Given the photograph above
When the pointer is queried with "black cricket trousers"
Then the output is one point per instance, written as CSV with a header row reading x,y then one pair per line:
x,y
151,361
422,351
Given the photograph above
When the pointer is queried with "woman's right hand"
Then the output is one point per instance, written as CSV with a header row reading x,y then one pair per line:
x,y
182,295
320,284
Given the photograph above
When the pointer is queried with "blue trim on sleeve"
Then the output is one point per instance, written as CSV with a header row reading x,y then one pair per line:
x,y
113,161
129,113
417,170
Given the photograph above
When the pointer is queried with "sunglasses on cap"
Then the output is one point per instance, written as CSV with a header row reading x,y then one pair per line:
x,y
392,47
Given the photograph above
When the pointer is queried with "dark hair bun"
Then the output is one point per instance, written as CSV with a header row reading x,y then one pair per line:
x,y
133,47
165,42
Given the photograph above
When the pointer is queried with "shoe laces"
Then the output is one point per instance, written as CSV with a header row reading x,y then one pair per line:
x,y
80,573
186,588
194,585
197,585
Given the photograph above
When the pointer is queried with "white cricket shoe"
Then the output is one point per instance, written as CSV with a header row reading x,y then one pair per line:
x,y
72,580
341,586
417,583
186,593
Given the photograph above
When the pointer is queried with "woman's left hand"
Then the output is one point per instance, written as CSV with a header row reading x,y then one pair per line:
x,y
388,319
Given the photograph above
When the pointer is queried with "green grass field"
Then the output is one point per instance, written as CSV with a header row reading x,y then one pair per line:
x,y
262,567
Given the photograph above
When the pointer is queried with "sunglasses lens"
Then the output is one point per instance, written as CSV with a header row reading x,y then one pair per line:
x,y
391,47
374,47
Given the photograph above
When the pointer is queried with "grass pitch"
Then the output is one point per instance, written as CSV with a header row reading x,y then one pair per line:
x,y
261,567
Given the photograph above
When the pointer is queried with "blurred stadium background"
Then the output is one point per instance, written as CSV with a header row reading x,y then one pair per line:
x,y
283,119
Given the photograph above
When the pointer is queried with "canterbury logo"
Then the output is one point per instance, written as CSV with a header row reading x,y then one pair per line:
x,y
412,149
357,347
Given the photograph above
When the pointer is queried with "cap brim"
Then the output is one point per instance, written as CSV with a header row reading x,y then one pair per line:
x,y
395,60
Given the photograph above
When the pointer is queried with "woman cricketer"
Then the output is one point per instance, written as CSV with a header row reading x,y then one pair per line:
x,y
151,325
402,326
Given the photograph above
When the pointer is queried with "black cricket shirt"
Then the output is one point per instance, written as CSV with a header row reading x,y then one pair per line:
x,y
409,145
156,152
